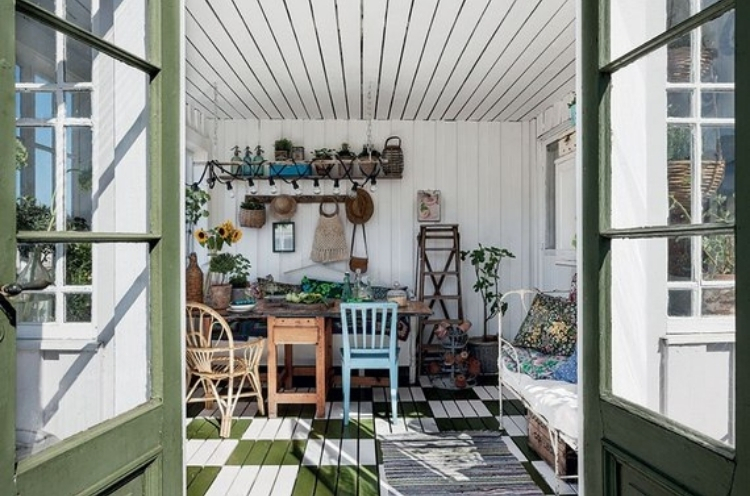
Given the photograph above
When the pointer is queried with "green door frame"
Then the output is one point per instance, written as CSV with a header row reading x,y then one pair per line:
x,y
149,438
623,443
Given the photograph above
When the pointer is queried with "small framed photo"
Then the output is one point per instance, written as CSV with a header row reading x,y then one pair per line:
x,y
283,237
428,205
298,153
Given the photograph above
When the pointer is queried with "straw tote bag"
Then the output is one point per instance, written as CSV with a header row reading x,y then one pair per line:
x,y
329,243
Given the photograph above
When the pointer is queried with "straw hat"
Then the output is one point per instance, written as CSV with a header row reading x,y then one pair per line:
x,y
283,207
359,209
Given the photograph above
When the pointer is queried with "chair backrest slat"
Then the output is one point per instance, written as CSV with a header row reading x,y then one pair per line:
x,y
370,326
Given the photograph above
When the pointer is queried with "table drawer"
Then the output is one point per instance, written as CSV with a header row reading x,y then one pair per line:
x,y
295,330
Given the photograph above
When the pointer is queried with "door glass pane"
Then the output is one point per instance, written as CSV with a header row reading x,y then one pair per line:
x,y
668,161
72,375
83,347
668,354
634,22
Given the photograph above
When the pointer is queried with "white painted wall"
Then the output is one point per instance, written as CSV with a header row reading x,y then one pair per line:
x,y
483,171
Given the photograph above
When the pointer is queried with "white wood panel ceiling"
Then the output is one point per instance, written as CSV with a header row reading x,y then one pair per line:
x,y
453,60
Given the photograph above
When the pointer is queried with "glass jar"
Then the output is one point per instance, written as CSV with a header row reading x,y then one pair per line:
x,y
397,295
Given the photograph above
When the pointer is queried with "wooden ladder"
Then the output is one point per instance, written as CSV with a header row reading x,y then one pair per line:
x,y
438,283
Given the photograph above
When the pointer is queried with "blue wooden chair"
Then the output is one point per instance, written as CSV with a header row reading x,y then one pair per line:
x,y
368,334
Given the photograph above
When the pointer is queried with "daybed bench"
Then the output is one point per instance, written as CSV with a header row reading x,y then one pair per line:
x,y
538,365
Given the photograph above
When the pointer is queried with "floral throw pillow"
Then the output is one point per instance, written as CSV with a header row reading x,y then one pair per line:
x,y
533,363
550,326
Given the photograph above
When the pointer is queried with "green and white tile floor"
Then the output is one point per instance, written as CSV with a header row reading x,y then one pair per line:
x,y
297,454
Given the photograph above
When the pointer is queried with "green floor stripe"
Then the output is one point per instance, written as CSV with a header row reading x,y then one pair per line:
x,y
203,481
461,424
493,406
490,423
318,430
258,452
295,453
305,483
277,452
205,429
351,431
334,428
523,444
366,429
368,481
192,472
240,453
444,424
327,476
307,411
537,477
239,426
475,424
347,481
513,407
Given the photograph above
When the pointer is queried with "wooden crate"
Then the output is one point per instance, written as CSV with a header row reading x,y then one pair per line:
x,y
539,441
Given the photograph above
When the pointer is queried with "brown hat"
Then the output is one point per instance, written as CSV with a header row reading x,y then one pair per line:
x,y
359,209
283,207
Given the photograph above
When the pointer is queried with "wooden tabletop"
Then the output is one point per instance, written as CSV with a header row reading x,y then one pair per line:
x,y
268,308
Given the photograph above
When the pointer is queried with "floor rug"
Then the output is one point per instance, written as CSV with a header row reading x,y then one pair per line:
x,y
469,462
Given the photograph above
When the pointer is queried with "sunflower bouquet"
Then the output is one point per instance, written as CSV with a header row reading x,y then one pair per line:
x,y
215,238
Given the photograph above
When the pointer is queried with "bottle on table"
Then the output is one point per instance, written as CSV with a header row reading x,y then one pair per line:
x,y
356,287
346,291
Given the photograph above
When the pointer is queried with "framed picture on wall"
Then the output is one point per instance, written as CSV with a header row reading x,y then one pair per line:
x,y
283,237
428,205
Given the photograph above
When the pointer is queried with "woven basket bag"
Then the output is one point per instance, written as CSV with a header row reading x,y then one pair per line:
x,y
394,157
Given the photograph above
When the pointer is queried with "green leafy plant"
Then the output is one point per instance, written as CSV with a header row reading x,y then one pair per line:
x,y
22,156
249,204
229,268
486,263
345,151
283,144
238,278
324,153
195,203
718,249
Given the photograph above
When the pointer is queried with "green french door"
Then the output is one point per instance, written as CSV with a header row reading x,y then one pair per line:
x,y
666,397
90,380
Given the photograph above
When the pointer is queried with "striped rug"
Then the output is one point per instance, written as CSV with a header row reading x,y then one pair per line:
x,y
467,462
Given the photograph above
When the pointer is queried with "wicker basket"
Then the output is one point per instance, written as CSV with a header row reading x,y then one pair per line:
x,y
252,218
679,178
394,158
679,64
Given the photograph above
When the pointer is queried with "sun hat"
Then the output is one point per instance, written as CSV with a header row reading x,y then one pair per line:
x,y
360,208
283,207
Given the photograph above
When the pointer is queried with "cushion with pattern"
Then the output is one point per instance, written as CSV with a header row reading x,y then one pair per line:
x,y
567,370
533,363
550,326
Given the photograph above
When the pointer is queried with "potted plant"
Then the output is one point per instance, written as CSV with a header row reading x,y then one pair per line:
x,y
282,149
252,213
239,276
486,263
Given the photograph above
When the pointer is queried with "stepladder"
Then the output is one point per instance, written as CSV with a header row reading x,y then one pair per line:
x,y
438,283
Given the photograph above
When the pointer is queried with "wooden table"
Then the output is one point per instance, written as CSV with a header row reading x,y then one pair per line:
x,y
292,324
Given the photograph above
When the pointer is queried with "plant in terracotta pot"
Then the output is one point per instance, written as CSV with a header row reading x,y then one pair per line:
x,y
486,263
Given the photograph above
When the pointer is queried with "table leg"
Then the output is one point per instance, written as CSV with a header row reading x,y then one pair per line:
x,y
321,368
288,366
272,375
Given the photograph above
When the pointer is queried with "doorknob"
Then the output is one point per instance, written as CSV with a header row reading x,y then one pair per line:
x,y
16,288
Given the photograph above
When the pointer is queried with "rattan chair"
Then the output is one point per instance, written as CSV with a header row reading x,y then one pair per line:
x,y
227,370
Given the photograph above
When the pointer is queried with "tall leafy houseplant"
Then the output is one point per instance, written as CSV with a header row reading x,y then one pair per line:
x,y
486,263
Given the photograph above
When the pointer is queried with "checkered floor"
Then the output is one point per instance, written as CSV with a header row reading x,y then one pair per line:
x,y
297,454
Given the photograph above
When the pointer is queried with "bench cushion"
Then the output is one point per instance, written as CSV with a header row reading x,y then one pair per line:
x,y
550,326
